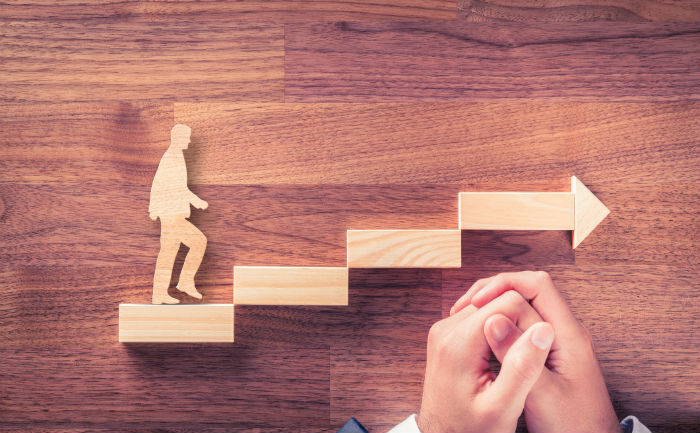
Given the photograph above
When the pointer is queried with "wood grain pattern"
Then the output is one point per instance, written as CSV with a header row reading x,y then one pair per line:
x,y
82,142
277,285
360,10
178,387
491,107
373,392
565,10
206,323
386,308
428,143
59,266
404,248
261,11
557,138
389,310
381,62
488,249
69,61
516,210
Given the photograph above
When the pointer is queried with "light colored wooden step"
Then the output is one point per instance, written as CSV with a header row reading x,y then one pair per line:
x,y
183,323
275,285
404,248
516,210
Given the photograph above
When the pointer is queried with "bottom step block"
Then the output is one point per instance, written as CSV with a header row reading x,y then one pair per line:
x,y
194,323
271,285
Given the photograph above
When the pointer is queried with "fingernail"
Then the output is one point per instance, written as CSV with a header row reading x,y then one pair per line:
x,y
500,330
542,337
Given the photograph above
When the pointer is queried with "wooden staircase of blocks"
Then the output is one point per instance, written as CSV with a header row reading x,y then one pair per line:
x,y
578,210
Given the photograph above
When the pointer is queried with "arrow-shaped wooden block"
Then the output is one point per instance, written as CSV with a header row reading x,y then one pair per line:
x,y
578,210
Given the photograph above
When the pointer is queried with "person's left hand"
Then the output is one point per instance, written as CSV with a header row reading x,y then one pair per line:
x,y
460,393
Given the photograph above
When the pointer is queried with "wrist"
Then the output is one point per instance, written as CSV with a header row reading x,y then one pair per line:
x,y
428,424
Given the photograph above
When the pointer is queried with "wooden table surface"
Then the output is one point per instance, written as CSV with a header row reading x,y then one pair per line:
x,y
310,118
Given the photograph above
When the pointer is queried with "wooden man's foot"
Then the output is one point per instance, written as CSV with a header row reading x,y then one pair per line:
x,y
164,299
190,290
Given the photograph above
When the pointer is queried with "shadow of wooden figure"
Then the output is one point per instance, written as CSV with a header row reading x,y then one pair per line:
x,y
170,202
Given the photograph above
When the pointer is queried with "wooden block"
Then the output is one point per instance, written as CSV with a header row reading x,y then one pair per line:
x,y
404,248
273,285
589,211
194,323
516,210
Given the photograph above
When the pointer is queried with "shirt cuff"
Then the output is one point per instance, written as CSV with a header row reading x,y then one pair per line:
x,y
408,425
629,425
632,425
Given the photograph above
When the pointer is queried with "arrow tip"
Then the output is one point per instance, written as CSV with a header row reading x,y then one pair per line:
x,y
588,211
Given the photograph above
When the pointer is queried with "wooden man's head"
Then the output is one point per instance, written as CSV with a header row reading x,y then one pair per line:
x,y
180,136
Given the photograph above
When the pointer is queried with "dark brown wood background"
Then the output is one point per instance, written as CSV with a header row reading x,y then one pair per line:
x,y
310,118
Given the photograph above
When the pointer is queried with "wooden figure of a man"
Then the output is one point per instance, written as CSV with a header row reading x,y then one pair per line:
x,y
170,201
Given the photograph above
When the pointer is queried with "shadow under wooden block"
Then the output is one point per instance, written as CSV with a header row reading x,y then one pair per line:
x,y
489,252
276,285
389,308
194,323
404,248
487,249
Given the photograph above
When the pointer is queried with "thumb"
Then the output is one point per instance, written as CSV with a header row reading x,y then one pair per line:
x,y
522,365
501,333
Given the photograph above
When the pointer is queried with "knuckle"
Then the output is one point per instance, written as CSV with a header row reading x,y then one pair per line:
x,y
523,369
443,348
543,277
499,279
489,412
443,341
436,333
514,299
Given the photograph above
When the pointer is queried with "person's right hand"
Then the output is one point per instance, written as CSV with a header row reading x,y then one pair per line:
x,y
570,395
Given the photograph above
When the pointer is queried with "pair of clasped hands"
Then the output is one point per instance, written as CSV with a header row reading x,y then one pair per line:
x,y
549,370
